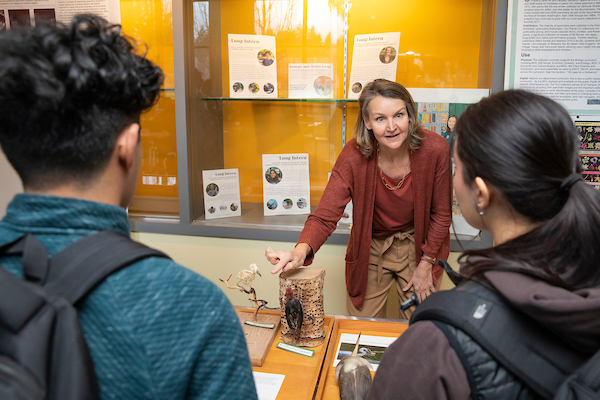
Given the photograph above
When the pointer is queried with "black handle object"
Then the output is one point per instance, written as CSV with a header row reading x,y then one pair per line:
x,y
454,276
413,301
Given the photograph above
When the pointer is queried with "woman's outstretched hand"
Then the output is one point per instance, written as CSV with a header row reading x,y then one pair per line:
x,y
287,260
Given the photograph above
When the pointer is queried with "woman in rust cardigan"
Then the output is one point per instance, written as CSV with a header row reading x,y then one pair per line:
x,y
398,178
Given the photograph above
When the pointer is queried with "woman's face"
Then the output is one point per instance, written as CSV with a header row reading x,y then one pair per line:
x,y
465,194
273,174
388,51
451,123
388,118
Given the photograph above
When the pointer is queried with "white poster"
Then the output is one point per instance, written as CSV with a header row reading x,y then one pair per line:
x,y
221,189
32,12
286,184
374,56
252,66
307,81
553,49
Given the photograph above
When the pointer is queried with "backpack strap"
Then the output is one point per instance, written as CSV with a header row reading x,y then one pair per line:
x,y
79,268
35,257
25,300
526,349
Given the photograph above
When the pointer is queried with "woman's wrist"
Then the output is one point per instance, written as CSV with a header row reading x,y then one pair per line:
x,y
428,259
304,249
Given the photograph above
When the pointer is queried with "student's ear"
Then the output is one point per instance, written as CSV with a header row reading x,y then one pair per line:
x,y
482,192
127,143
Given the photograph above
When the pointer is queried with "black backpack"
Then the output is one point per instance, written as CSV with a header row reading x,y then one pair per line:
x,y
43,354
543,362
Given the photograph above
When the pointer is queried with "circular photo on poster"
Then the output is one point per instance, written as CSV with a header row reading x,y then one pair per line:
x,y
212,210
356,87
273,175
254,88
212,189
301,203
272,204
265,57
269,88
287,204
323,85
387,55
233,207
238,87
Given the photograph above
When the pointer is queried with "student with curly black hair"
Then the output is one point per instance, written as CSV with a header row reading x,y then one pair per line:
x,y
70,104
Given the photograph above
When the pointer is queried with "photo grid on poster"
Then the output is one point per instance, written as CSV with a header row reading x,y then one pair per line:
x,y
221,188
286,184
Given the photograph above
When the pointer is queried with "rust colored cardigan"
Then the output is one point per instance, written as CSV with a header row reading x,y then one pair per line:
x,y
353,178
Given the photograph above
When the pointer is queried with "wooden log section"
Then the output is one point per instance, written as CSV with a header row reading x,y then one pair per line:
x,y
307,284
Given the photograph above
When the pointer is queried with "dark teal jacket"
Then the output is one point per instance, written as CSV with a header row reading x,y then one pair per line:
x,y
155,329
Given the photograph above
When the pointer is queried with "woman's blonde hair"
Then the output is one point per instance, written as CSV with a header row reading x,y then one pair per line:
x,y
365,140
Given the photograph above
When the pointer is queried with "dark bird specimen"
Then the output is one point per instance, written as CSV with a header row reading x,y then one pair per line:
x,y
293,312
353,374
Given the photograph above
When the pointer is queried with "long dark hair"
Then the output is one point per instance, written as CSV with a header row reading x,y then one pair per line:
x,y
525,146
365,140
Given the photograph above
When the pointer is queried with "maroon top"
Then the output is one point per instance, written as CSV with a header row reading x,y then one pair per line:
x,y
394,209
354,178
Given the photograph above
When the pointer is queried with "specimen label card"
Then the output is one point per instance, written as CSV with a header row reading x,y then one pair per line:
x,y
267,385
252,66
307,81
370,348
15,13
221,189
286,184
374,56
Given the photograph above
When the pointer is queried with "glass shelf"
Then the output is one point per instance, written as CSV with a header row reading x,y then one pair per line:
x,y
282,100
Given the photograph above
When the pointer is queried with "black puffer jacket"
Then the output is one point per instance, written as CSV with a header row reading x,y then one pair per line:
x,y
422,364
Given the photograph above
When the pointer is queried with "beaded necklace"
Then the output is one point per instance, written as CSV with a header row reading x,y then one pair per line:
x,y
399,185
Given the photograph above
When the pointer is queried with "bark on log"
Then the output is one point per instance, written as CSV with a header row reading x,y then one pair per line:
x,y
307,284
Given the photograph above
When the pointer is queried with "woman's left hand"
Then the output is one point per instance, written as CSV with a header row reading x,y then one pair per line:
x,y
422,281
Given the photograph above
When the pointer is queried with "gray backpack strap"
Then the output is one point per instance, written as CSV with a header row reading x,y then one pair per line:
x,y
80,267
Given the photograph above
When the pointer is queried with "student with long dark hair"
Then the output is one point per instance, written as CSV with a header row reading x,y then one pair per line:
x,y
517,176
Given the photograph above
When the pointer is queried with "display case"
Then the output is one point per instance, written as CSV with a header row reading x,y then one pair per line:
x,y
445,48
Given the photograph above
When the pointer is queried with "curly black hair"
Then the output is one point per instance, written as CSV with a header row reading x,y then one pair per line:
x,y
66,92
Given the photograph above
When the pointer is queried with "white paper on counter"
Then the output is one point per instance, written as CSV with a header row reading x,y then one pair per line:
x,y
267,385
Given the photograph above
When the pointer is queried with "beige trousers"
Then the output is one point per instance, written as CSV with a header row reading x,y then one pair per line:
x,y
392,260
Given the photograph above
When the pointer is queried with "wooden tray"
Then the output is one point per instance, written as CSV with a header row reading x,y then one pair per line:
x,y
328,386
258,340
302,373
